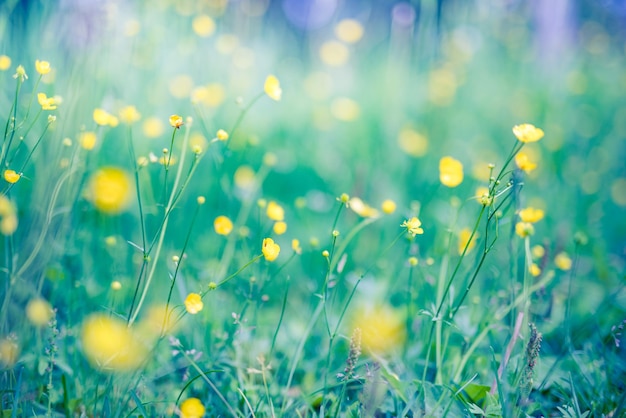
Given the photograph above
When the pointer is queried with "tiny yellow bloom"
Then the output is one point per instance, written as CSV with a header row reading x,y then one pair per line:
x,y
11,176
361,208
450,172
413,261
534,270
110,189
5,62
383,329
8,216
270,249
88,140
295,246
201,200
272,88
176,121
538,251
527,133
192,408
116,285
222,135
20,73
524,229
129,114
388,206
47,103
223,225
563,261
464,237
523,163
193,303
275,212
42,67
104,118
280,227
531,215
413,226
39,312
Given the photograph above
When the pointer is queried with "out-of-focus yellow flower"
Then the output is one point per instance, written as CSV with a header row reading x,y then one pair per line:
x,y
413,226
412,142
334,53
345,109
349,31
413,261
280,227
5,62
222,135
531,215
110,189
361,208
176,121
275,212
116,285
39,312
129,114
464,237
158,319
47,103
534,270
450,172
272,88
270,249
482,195
527,133
109,344
11,176
523,162
524,229
382,329
538,251
563,261
295,246
87,140
203,26
8,216
192,408
9,352
223,225
42,67
193,303
104,118
388,206
153,127
245,178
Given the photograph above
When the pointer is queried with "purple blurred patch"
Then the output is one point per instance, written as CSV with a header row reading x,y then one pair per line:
x,y
309,14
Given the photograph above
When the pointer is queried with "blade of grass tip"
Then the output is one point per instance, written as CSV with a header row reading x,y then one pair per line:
x,y
245,399
138,403
280,319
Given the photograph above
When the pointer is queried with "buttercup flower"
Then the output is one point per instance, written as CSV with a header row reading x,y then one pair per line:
x,y
192,408
531,215
534,270
523,163
413,226
295,246
47,103
87,140
39,312
193,303
275,212
11,176
129,114
450,172
110,190
270,249
222,135
104,118
223,225
361,208
5,62
42,67
8,216
563,261
527,133
20,73
280,228
176,121
272,88
388,206
524,229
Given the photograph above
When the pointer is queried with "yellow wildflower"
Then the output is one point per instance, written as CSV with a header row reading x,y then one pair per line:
x,y
413,261
295,246
272,88
39,312
110,190
538,251
349,31
203,26
47,103
383,329
104,118
5,62
193,303
20,73
524,229
192,408
527,133
450,172
87,140
152,127
116,285
275,212
9,352
413,226
129,114
563,261
483,197
388,206
42,67
412,142
361,208
280,227
223,225
534,270
222,135
531,215
8,217
523,163
176,121
270,249
11,176
464,237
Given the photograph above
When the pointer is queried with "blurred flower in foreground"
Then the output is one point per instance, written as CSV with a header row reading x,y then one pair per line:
x,y
450,172
388,206
275,212
109,344
563,261
193,303
531,215
9,352
104,118
280,227
272,88
412,142
349,31
152,127
129,114
203,26
110,190
222,225
527,133
42,67
534,270
523,163
47,103
87,140
39,312
413,226
382,329
361,208
222,135
524,229
192,408
270,249
464,237
8,217
5,62
295,246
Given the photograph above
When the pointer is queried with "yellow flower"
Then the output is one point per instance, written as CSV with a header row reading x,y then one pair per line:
x,y
223,225
270,249
524,229
538,251
275,212
88,140
47,103
388,206
152,127
192,408
531,215
527,133
110,190
42,67
5,62
9,352
464,237
295,246
203,26
413,261
20,73
412,142
383,329
361,208
349,31
11,176
523,163
534,270
222,135
563,261
413,226
8,222
450,172
104,118
39,312
176,121
272,88
280,228
108,343
129,114
482,195
193,303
